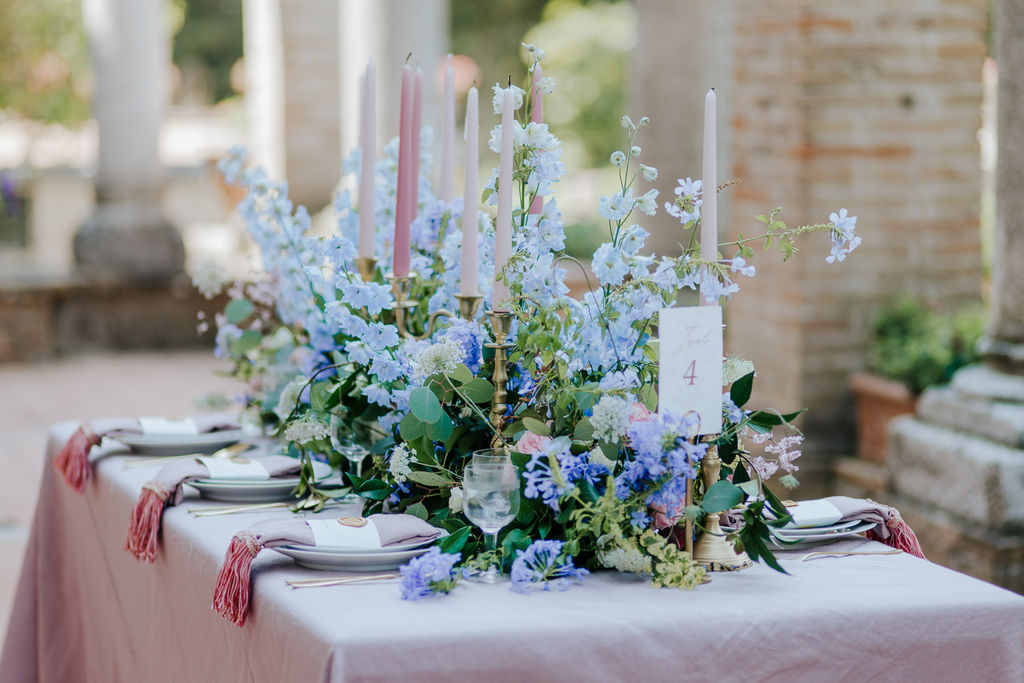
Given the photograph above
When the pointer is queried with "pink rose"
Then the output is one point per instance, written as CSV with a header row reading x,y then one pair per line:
x,y
638,412
662,519
532,444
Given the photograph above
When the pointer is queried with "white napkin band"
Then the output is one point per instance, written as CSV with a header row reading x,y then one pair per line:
x,y
331,532
168,426
811,513
221,468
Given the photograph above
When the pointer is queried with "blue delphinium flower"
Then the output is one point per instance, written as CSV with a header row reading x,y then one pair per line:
x,y
429,574
540,481
639,519
540,564
733,413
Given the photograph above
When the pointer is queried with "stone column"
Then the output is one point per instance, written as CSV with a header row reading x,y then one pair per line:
x,y
683,48
872,106
1004,345
390,30
128,236
292,82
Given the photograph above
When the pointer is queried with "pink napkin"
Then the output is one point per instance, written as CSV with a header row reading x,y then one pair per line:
x,y
890,528
73,459
232,594
166,489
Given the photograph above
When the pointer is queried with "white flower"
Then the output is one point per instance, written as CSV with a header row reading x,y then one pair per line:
x,y
546,85
398,465
290,394
649,172
455,499
538,53
626,560
537,136
617,159
307,428
627,122
439,359
209,279
498,100
647,202
634,151
610,418
735,367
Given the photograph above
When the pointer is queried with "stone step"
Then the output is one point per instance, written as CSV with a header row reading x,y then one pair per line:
x,y
983,382
948,406
969,476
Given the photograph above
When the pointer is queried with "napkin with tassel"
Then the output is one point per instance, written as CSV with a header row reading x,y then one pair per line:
x,y
72,460
166,489
232,595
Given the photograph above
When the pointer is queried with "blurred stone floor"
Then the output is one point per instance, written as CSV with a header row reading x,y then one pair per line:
x,y
35,396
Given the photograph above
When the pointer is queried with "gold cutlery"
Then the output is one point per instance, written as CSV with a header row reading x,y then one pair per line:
x,y
338,580
225,453
251,507
838,553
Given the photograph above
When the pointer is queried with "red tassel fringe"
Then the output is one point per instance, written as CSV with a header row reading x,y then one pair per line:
x,y
145,523
73,460
901,537
231,597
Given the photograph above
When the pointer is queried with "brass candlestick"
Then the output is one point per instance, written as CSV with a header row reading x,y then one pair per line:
x,y
712,549
500,323
367,267
400,287
468,303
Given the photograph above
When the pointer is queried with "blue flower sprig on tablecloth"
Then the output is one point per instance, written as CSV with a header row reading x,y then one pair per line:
x,y
430,574
543,564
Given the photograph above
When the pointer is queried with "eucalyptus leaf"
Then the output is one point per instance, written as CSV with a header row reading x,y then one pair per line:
x,y
417,510
429,479
536,426
461,375
722,495
478,390
440,430
238,310
584,430
424,405
411,427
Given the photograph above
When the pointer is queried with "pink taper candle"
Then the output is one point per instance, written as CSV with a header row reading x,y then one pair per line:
x,y
709,184
417,120
367,143
501,299
471,199
537,116
403,211
448,134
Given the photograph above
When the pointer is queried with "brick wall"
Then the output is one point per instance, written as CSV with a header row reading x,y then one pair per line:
x,y
873,106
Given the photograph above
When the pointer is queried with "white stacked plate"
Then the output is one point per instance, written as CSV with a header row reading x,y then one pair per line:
x,y
334,558
255,491
791,536
176,444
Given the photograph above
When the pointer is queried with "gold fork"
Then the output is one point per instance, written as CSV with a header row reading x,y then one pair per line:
x,y
839,553
337,580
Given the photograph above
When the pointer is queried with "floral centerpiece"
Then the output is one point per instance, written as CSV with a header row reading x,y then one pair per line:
x,y
604,474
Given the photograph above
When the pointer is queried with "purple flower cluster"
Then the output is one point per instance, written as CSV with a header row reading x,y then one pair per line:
x,y
541,564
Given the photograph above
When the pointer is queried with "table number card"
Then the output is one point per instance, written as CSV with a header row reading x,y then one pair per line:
x,y
690,374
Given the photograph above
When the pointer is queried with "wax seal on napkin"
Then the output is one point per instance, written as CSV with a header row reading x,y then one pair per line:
x,y
165,489
352,521
72,460
232,594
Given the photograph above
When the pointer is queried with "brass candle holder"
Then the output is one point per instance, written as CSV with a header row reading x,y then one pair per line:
x,y
500,323
367,267
400,287
713,549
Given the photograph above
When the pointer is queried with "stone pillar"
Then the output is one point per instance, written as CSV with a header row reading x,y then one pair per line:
x,y
389,30
956,469
1004,345
871,106
128,236
683,49
292,82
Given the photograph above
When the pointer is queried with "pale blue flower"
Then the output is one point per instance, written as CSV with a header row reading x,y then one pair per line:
x,y
541,564
608,265
432,573
617,206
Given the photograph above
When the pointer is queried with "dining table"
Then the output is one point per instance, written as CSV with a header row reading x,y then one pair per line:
x,y
87,610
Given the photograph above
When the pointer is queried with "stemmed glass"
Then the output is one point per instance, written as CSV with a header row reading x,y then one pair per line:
x,y
490,500
344,442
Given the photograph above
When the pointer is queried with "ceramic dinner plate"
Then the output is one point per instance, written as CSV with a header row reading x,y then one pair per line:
x,y
821,537
815,530
179,444
336,558
258,491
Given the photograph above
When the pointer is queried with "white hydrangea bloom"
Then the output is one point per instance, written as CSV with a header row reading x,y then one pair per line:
x,y
398,466
209,279
626,560
439,359
286,401
307,428
735,367
610,418
455,499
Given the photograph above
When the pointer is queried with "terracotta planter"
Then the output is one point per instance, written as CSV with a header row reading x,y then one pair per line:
x,y
879,400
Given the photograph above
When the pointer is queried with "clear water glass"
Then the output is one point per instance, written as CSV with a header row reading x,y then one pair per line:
x,y
490,500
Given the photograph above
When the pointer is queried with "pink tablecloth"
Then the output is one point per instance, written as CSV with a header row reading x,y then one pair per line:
x,y
88,611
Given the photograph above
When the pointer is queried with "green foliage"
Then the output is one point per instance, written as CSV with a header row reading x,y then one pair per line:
x,y
919,347
208,43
